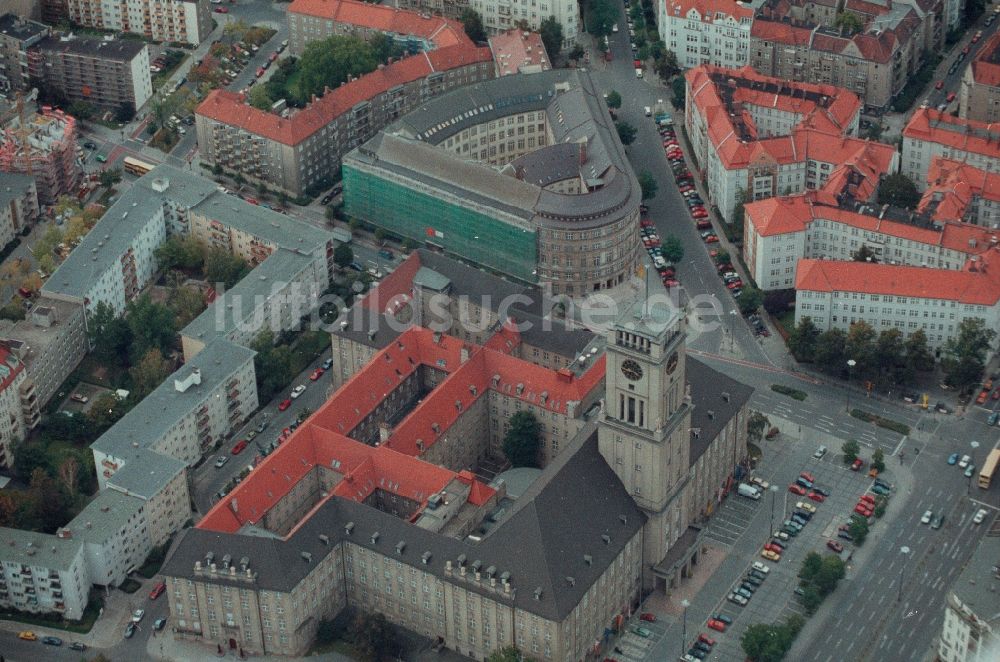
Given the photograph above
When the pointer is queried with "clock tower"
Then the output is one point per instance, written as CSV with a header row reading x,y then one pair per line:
x,y
644,433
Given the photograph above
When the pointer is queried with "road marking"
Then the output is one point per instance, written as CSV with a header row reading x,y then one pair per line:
x,y
954,555
881,598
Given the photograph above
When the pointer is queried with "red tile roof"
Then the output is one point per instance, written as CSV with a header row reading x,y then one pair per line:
x,y
230,107
986,65
442,31
964,135
952,186
971,287
864,7
515,49
707,9
395,289
783,33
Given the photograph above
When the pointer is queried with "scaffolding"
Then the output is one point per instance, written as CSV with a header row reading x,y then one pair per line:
x,y
42,144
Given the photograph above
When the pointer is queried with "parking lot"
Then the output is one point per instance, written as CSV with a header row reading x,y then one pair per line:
x,y
632,647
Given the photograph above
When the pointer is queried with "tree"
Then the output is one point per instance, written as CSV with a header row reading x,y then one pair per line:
x,y
13,311
152,325
757,423
864,254
176,252
811,599
599,16
679,87
878,460
811,565
509,654
626,132
849,23
523,440
858,529
860,346
898,190
151,370
104,412
750,300
374,636
850,448
343,255
666,67
186,303
672,249
110,177
918,356
777,302
224,267
48,502
889,356
109,334
964,354
81,110
27,458
803,339
380,235
614,100
829,356
552,37
473,24
125,113
742,197
260,98
68,472
766,643
831,571
647,184
576,53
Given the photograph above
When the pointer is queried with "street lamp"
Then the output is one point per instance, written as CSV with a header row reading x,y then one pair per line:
x,y
774,493
850,373
904,550
684,626
732,329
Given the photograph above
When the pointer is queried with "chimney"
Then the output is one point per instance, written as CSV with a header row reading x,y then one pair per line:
x,y
348,528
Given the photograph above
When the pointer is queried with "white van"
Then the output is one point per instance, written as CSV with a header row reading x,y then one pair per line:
x,y
638,73
614,28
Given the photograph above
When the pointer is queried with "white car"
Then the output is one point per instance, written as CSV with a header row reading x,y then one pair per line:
x,y
979,516
808,507
926,519
298,390
760,482
757,565
964,462
137,615
820,452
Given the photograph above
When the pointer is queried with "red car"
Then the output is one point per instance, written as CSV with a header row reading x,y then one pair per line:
x,y
238,448
857,464
671,283
157,591
817,497
711,239
996,394
646,223
221,10
773,548
285,404
716,625
868,498
704,224
797,489
260,71
939,85
808,476
861,510
648,617
950,97
835,546
699,213
316,374
734,285
966,50
707,640
273,56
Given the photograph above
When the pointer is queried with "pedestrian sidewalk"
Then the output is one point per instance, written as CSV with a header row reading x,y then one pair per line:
x,y
165,646
108,629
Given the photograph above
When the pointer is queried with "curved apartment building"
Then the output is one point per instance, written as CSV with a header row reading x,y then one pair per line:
x,y
524,175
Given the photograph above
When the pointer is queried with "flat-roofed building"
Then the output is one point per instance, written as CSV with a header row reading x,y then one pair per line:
x,y
41,573
17,35
971,628
186,21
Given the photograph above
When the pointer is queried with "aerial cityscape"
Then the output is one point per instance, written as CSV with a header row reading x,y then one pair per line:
x,y
506,331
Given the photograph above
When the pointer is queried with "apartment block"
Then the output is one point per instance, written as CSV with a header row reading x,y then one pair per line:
x,y
706,31
51,342
160,482
17,35
798,41
296,150
502,15
960,192
12,415
971,628
18,205
44,147
186,21
196,408
979,98
109,74
43,573
930,134
759,137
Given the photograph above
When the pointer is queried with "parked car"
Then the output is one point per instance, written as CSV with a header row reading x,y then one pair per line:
x,y
816,496
157,590
298,390
835,546
78,646
820,452
52,641
970,470
716,625
137,615
844,535
221,461
27,635
738,599
239,447
806,506
316,374
857,464
797,489
926,519
159,623
770,556
964,462
129,630
979,516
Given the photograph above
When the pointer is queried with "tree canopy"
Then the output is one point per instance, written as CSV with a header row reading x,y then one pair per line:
x,y
750,300
600,16
343,255
672,249
965,353
648,185
626,132
522,442
473,24
152,326
898,190
552,37
614,100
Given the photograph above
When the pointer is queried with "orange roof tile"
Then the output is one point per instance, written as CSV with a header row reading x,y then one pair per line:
x,y
945,129
986,65
708,9
952,186
515,49
980,288
230,107
782,33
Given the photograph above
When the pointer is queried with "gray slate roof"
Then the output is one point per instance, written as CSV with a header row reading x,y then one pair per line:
x,y
15,545
145,472
707,387
978,585
164,407
11,25
13,186
560,519
105,515
119,50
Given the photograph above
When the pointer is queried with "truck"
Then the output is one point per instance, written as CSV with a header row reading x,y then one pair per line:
x,y
748,491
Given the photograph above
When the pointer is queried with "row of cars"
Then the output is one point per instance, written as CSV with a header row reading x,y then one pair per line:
x,y
270,60
743,590
964,463
685,184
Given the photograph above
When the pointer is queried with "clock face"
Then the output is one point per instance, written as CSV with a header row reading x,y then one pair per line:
x,y
672,363
631,370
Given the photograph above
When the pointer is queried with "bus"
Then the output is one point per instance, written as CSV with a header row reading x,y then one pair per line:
x,y
989,468
136,167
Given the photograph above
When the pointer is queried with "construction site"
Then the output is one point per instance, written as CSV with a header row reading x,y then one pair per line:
x,y
40,143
